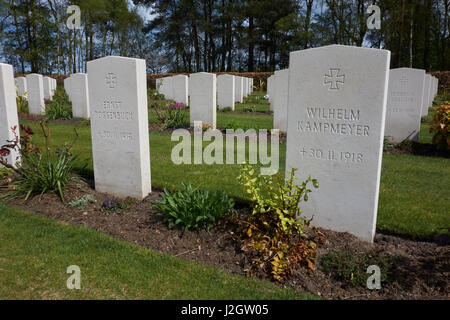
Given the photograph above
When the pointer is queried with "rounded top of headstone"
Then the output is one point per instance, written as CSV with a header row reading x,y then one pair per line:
x,y
338,47
114,58
34,75
404,68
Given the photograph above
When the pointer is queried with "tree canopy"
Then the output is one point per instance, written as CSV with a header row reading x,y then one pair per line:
x,y
217,35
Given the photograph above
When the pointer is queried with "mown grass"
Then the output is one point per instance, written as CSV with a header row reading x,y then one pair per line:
x,y
414,195
35,253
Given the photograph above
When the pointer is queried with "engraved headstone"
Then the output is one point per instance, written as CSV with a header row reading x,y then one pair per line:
x,y
336,115
280,100
35,86
119,126
203,98
225,91
8,110
404,104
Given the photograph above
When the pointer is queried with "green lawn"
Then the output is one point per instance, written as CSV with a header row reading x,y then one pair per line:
x,y
35,253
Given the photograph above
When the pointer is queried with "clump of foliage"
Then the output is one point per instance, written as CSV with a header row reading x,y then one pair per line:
x,y
275,234
173,116
441,127
153,94
233,124
39,171
387,144
82,202
250,109
193,209
206,127
22,102
227,109
114,205
58,110
60,107
351,268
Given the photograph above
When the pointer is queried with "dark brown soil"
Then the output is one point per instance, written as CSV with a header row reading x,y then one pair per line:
x,y
421,271
417,149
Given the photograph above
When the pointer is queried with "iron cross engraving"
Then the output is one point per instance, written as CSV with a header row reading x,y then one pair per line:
x,y
111,80
334,78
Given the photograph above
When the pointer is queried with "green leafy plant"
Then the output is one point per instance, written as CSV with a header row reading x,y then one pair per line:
x,y
387,144
153,94
351,268
113,205
172,117
22,102
275,233
234,125
58,110
250,109
192,209
60,107
83,202
227,109
441,127
39,171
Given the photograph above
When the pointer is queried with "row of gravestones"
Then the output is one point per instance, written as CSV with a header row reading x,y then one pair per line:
x,y
336,108
36,89
206,91
410,93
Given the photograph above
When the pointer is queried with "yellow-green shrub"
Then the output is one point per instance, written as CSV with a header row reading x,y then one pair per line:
x,y
441,127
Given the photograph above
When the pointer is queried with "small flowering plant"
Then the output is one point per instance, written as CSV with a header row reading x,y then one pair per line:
x,y
173,116
112,205
38,171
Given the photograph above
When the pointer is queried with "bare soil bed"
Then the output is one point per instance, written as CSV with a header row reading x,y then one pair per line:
x,y
421,269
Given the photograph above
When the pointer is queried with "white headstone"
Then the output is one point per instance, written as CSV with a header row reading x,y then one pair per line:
x,y
166,87
435,86
280,100
426,96
54,85
180,85
239,89
225,91
35,86
47,88
8,110
80,95
270,90
21,83
203,98
336,114
119,126
245,84
67,87
404,104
